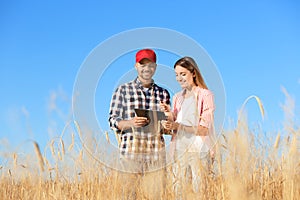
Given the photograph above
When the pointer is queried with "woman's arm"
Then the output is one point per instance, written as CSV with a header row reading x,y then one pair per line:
x,y
197,130
175,126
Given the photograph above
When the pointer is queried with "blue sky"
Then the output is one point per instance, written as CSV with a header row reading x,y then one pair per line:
x,y
254,44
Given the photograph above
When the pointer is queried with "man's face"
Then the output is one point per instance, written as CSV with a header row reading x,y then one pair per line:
x,y
145,69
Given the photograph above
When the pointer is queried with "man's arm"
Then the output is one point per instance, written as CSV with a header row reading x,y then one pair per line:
x,y
116,110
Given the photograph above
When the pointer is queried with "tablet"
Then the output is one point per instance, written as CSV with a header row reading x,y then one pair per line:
x,y
152,115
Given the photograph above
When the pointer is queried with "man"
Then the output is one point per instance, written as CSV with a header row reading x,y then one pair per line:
x,y
140,148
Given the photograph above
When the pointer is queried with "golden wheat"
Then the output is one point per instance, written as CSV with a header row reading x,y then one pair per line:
x,y
243,168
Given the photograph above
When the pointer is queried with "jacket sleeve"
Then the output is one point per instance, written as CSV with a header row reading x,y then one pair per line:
x,y
207,108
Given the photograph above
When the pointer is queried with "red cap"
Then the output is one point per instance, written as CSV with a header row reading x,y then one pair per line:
x,y
145,53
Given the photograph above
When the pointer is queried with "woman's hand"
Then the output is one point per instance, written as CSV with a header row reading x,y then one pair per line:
x,y
170,125
164,107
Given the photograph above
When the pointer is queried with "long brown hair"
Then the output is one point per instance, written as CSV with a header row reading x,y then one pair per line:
x,y
190,64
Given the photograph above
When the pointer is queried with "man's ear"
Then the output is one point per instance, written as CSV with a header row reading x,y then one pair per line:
x,y
136,65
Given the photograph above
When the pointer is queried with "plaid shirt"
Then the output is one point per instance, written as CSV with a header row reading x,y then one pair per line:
x,y
136,143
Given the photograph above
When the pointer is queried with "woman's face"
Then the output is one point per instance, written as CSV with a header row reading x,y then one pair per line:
x,y
184,77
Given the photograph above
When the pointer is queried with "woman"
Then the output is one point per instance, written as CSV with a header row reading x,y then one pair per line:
x,y
191,122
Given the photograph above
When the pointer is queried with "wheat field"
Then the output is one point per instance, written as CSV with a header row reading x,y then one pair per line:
x,y
249,164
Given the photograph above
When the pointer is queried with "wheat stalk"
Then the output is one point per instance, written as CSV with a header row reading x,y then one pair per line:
x,y
277,141
117,137
39,155
59,155
52,148
72,143
15,156
259,102
107,137
82,142
62,146
80,155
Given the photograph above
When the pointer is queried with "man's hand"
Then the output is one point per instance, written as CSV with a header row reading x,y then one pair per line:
x,y
134,122
139,121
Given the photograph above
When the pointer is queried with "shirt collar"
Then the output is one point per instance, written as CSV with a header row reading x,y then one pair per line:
x,y
140,85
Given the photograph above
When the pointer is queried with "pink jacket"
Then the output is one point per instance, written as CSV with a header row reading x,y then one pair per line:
x,y
206,106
